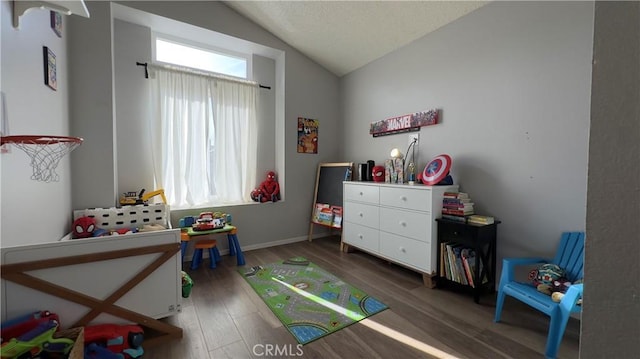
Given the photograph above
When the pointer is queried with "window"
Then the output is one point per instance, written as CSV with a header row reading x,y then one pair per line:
x,y
206,128
181,54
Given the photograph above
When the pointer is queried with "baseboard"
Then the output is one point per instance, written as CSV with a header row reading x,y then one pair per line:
x,y
270,244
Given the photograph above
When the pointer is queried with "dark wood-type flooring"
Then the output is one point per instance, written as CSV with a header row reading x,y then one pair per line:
x,y
225,318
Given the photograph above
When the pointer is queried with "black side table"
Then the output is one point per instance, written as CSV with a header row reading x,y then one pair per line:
x,y
480,238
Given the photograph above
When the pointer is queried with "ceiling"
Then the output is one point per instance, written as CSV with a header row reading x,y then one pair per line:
x,y
343,36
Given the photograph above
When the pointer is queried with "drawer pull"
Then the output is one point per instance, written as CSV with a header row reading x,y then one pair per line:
x,y
402,223
360,236
455,233
361,214
403,199
362,194
403,250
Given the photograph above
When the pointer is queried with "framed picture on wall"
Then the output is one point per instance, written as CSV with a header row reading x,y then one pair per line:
x,y
50,76
56,23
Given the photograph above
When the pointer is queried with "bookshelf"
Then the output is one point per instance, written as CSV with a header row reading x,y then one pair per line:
x,y
480,273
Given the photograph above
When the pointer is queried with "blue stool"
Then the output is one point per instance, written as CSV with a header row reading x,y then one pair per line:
x,y
214,254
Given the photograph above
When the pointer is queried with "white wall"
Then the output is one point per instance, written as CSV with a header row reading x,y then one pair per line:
x,y
33,211
512,81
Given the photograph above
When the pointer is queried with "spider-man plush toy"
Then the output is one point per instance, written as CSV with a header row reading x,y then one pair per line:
x,y
269,188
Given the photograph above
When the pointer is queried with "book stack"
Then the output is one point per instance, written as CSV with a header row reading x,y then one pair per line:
x,y
456,206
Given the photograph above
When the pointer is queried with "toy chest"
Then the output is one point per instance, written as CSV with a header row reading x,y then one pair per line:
x,y
127,216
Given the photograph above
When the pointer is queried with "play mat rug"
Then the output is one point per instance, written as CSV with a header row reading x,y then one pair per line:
x,y
308,300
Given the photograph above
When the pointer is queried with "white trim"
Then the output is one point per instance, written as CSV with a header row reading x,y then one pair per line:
x,y
224,252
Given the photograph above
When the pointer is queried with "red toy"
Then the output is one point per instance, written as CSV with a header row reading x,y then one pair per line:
x,y
119,339
378,173
83,227
269,188
18,326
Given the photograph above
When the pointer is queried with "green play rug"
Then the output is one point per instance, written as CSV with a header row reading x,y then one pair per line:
x,y
308,300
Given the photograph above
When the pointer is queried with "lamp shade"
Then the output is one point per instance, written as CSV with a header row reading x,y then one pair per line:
x,y
395,153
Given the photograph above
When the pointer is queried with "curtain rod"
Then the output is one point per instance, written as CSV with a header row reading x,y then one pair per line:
x,y
195,72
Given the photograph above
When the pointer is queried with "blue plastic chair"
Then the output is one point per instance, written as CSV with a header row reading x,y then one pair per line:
x,y
570,257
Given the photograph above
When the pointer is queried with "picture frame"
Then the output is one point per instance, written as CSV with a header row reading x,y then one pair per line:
x,y
56,23
50,74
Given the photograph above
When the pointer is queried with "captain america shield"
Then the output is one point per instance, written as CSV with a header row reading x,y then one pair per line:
x,y
436,170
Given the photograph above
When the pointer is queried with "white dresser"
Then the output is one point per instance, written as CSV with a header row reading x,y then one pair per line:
x,y
395,222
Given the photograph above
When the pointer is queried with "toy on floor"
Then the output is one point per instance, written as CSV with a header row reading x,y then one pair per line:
x,y
119,339
269,190
35,341
16,327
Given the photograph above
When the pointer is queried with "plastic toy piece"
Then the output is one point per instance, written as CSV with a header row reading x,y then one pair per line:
x,y
208,221
132,198
18,326
37,340
94,351
119,339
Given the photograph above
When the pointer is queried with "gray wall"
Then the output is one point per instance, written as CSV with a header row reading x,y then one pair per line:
x,y
310,91
611,319
92,114
512,81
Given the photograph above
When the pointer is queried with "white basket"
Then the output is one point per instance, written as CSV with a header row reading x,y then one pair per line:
x,y
127,216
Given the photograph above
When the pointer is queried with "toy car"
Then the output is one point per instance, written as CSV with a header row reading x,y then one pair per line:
x,y
207,221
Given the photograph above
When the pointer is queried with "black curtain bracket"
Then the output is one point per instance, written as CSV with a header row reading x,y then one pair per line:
x,y
146,68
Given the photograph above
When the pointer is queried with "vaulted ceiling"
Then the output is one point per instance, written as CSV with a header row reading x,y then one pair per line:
x,y
343,36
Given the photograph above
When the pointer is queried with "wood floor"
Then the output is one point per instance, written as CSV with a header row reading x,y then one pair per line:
x,y
224,317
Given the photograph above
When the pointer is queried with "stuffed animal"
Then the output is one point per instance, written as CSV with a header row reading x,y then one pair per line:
x,y
544,276
269,188
83,227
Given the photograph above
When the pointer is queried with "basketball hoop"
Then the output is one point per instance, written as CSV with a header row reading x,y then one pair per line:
x,y
45,153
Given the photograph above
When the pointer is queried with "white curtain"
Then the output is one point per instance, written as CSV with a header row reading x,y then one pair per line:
x,y
206,135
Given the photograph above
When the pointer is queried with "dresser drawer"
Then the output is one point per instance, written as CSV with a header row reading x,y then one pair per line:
x,y
406,251
416,225
361,193
418,199
360,236
363,214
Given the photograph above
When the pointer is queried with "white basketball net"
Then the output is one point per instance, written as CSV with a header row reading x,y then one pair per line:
x,y
45,157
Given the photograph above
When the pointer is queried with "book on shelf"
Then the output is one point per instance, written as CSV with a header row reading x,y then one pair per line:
x,y
462,276
457,212
323,214
456,205
450,217
479,219
459,195
443,262
337,216
468,261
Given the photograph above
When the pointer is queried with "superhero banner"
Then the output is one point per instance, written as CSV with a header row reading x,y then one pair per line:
x,y
405,123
